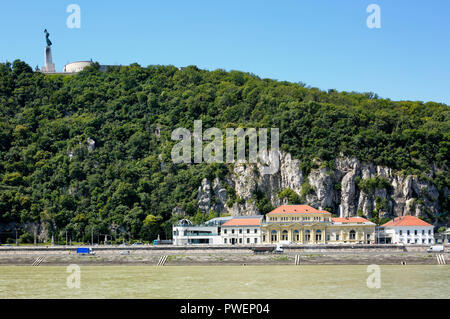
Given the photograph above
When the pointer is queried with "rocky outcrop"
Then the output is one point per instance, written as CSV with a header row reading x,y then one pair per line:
x,y
177,210
335,189
204,196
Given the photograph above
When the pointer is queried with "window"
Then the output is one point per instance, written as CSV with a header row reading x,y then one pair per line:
x,y
429,233
337,236
401,232
248,231
240,240
232,231
423,231
256,240
255,231
307,235
240,231
296,235
264,238
352,234
284,235
328,237
423,241
224,231
248,240
429,241
318,235
274,235
415,232
224,240
407,232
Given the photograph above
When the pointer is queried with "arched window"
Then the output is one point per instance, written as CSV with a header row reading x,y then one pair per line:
x,y
318,235
296,235
273,236
307,235
352,234
284,235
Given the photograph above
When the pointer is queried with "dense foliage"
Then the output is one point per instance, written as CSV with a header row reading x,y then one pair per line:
x,y
128,185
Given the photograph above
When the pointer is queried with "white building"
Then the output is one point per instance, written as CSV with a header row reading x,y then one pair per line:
x,y
185,233
75,67
408,230
242,230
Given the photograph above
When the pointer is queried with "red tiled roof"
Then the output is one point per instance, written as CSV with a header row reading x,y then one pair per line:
x,y
349,220
243,222
406,221
296,209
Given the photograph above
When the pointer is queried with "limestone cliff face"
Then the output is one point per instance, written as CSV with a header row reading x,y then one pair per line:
x,y
334,189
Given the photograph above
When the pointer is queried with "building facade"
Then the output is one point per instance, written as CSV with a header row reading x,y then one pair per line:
x,y
185,233
303,224
242,230
287,224
408,230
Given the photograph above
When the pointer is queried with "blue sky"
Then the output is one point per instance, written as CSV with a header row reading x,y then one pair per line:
x,y
325,44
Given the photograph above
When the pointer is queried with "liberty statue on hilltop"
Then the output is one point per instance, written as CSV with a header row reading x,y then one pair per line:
x,y
49,43
49,65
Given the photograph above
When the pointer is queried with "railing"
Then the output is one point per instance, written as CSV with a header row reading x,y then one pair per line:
x,y
200,234
297,221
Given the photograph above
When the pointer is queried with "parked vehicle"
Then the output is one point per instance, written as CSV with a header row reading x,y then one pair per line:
x,y
436,249
162,242
279,249
85,251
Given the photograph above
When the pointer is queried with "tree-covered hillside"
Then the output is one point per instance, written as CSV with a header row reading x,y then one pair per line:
x,y
125,183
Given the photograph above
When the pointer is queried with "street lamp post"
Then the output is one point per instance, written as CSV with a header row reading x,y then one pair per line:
x,y
17,244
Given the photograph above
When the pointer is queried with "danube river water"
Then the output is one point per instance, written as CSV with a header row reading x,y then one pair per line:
x,y
318,281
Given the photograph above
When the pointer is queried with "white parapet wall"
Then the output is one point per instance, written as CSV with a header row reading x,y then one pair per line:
x,y
75,67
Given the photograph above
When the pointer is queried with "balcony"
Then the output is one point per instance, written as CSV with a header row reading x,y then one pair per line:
x,y
200,234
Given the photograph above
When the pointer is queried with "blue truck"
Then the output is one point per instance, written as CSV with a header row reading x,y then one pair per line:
x,y
85,251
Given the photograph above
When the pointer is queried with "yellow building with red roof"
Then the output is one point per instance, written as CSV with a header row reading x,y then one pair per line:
x,y
303,224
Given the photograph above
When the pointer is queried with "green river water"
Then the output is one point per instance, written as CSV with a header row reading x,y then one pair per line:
x,y
318,281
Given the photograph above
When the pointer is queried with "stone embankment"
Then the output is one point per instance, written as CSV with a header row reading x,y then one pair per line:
x,y
220,255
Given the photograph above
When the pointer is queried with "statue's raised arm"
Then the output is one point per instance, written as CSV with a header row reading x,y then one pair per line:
x,y
49,43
